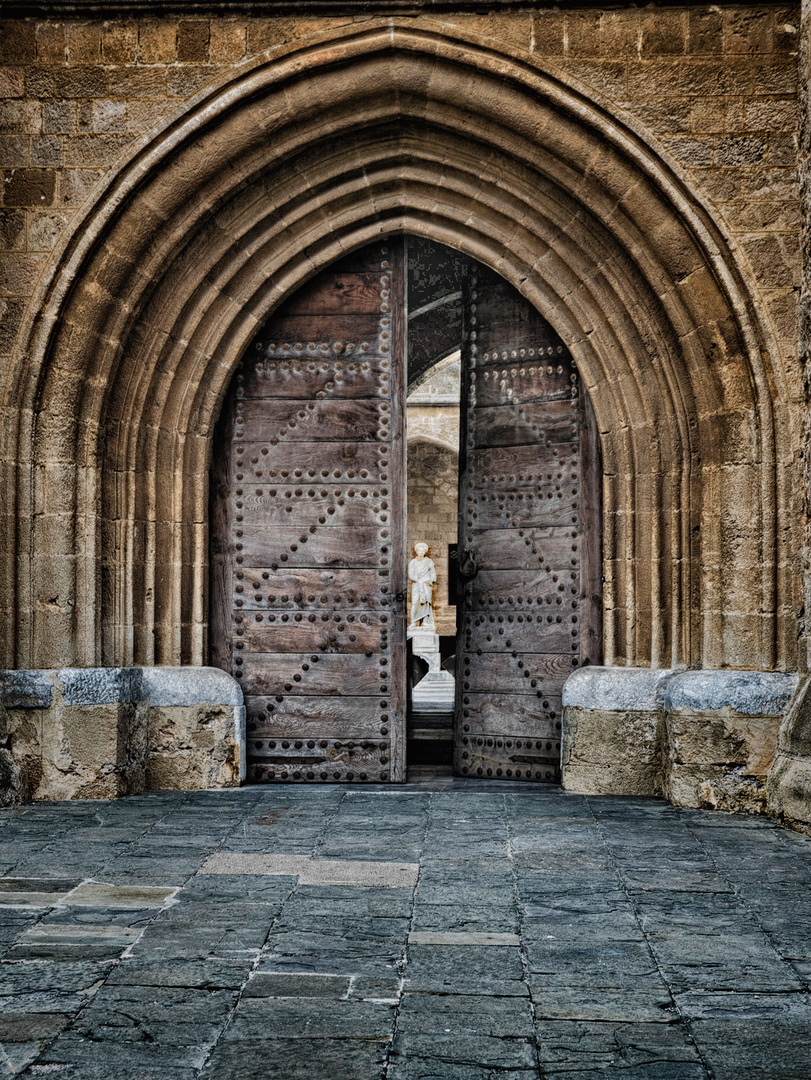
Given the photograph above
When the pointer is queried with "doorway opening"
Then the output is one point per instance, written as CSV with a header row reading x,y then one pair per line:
x,y
405,396
435,285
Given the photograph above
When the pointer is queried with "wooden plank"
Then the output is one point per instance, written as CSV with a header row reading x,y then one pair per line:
x,y
520,466
514,762
519,633
313,589
322,635
319,330
528,509
330,545
335,292
532,424
316,376
323,420
304,506
523,381
516,673
337,762
328,674
519,591
338,461
312,717
507,549
524,716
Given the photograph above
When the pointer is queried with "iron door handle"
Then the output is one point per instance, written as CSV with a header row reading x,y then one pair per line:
x,y
467,564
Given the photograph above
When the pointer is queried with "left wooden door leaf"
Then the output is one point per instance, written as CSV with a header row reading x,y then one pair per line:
x,y
308,529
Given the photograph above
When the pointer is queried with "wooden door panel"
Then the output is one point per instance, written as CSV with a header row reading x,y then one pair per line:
x,y
337,460
521,382
311,333
314,374
334,546
336,293
520,466
516,424
338,760
514,673
312,537
321,636
483,713
521,526
540,513
304,717
300,421
510,758
524,633
531,551
305,587
503,587
310,674
345,505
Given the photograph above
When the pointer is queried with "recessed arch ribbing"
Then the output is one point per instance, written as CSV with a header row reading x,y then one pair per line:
x,y
301,160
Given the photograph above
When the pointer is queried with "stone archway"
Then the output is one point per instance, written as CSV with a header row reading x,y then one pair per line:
x,y
379,130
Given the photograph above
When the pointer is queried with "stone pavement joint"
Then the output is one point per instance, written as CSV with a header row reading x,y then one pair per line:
x,y
464,931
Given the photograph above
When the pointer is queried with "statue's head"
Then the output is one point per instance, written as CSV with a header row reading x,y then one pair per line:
x,y
420,550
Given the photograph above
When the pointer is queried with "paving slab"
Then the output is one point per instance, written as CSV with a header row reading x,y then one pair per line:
x,y
445,931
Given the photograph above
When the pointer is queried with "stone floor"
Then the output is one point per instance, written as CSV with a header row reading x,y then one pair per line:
x,y
454,930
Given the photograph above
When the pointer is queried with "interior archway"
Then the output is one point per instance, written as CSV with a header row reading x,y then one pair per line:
x,y
375,132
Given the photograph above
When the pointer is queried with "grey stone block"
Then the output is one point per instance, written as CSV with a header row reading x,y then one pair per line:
x,y
168,686
616,689
26,689
754,693
95,686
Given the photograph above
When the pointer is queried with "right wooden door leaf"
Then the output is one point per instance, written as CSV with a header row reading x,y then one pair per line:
x,y
528,536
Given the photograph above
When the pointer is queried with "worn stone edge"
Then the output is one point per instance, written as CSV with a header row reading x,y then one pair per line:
x,y
153,686
26,689
617,689
751,693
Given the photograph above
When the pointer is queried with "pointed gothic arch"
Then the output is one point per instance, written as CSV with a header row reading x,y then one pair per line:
x,y
272,176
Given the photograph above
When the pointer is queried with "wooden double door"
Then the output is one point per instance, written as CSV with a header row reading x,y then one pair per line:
x,y
308,522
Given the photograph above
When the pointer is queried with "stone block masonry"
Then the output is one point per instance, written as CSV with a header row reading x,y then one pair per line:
x,y
724,740
712,88
98,733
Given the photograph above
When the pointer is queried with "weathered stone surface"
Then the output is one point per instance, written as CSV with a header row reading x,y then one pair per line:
x,y
95,686
105,732
612,730
192,747
633,966
709,740
388,875
721,735
613,689
752,693
789,782
26,689
186,686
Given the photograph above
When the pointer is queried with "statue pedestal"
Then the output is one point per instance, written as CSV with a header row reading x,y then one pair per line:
x,y
425,644
423,641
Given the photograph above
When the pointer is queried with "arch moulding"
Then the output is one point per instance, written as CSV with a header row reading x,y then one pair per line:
x,y
266,180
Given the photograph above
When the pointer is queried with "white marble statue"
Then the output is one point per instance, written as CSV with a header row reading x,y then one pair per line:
x,y
422,572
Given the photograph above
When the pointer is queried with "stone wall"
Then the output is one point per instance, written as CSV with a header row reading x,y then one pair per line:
x,y
639,186
720,740
87,733
433,479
